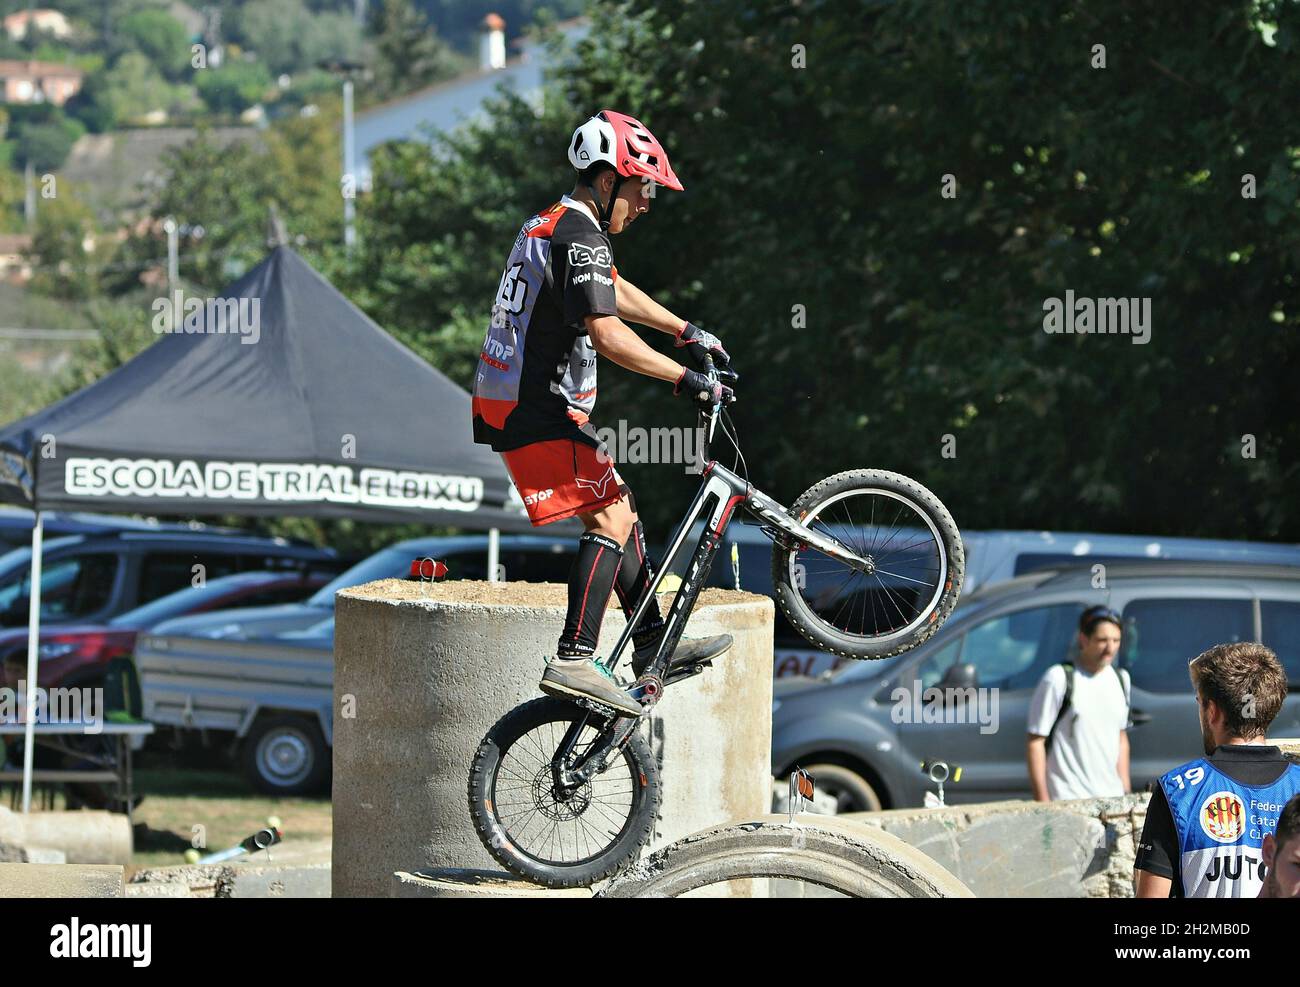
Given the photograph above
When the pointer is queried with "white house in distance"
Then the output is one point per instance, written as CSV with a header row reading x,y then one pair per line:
x,y
45,21
446,105
25,81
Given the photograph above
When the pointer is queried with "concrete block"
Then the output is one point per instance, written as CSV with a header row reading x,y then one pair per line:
x,y
290,881
461,883
428,669
199,880
61,881
1074,849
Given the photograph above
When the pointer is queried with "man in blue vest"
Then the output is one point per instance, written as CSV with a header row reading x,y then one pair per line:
x,y
1208,819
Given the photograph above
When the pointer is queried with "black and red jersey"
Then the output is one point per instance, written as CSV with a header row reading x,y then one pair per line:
x,y
536,375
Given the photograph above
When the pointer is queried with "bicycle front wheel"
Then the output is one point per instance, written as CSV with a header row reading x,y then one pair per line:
x,y
915,563
554,837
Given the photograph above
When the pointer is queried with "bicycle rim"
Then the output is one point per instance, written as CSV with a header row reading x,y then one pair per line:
x,y
904,544
557,830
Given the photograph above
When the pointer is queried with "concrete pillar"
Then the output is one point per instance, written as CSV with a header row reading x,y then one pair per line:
x,y
422,671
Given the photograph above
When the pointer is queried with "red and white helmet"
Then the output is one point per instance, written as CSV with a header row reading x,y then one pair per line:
x,y
625,143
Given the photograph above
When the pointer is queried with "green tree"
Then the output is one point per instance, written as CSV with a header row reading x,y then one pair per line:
x,y
288,37
63,267
129,90
227,190
873,315
46,144
159,37
234,86
408,53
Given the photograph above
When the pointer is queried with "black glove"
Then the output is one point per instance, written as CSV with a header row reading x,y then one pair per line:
x,y
701,390
701,344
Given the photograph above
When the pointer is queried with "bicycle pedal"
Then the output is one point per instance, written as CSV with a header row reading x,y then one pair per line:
x,y
600,709
681,672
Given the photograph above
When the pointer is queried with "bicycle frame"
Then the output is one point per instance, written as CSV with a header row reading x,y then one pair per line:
x,y
720,493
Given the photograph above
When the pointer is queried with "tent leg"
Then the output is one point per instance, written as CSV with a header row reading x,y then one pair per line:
x,y
33,659
494,553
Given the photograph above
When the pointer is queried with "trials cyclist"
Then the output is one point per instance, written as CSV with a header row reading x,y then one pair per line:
x,y
560,302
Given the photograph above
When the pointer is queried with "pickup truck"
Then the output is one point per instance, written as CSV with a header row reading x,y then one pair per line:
x,y
262,679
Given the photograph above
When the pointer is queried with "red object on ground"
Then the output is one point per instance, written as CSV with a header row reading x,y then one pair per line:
x,y
427,568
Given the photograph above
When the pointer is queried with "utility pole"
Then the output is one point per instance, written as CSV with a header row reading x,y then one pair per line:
x,y
29,195
349,172
173,275
347,71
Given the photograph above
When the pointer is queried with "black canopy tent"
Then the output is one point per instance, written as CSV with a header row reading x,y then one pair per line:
x,y
280,397
291,401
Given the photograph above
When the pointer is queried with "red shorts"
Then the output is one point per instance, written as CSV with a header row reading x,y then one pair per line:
x,y
561,478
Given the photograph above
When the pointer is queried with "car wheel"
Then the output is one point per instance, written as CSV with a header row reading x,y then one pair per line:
x,y
852,792
286,755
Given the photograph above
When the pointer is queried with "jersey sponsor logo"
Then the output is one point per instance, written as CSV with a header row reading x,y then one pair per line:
x,y
1223,817
1227,867
498,349
537,498
592,276
534,227
512,292
581,255
597,486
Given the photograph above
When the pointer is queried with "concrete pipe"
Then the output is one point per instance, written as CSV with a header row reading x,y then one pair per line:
x,y
422,671
84,837
832,853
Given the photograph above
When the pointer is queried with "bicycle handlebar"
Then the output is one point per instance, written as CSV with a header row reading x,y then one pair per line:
x,y
709,419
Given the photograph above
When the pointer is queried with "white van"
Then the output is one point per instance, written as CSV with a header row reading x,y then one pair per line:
x,y
991,557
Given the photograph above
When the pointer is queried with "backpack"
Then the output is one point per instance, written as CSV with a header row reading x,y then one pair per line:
x,y
1120,673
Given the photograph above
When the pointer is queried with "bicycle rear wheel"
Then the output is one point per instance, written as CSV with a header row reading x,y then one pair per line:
x,y
915,556
560,839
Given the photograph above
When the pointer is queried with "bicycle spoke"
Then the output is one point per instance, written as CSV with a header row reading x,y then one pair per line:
x,y
905,565
553,827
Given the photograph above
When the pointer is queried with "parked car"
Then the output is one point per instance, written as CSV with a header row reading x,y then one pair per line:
x,y
93,578
866,746
264,678
75,655
995,556
16,525
991,556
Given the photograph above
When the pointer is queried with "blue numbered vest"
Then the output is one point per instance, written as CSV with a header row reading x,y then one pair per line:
x,y
1221,825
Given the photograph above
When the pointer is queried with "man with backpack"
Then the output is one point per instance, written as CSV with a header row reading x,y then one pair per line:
x,y
1078,719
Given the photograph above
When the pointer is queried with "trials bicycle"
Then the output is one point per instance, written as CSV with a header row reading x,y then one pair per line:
x,y
866,564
